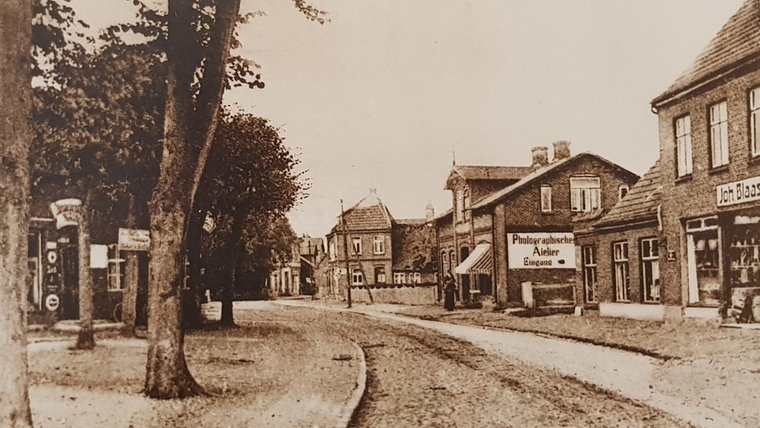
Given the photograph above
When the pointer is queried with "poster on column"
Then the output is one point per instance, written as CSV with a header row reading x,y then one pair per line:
x,y
541,250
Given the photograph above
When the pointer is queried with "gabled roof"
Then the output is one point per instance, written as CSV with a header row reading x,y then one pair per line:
x,y
370,213
640,203
737,41
512,188
484,172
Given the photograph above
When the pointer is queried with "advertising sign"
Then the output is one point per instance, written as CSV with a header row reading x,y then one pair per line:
x,y
738,192
541,250
134,239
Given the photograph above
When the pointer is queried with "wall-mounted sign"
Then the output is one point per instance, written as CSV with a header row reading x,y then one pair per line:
x,y
738,192
541,250
52,302
134,239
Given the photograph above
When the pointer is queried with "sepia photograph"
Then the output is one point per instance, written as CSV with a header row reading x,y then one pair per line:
x,y
396,213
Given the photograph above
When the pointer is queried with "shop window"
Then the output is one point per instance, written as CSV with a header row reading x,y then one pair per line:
x,y
378,244
589,273
379,275
622,277
650,269
754,119
683,146
356,277
585,194
546,198
703,262
719,134
357,244
744,257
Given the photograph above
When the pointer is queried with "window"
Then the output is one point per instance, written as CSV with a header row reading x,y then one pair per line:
x,y
452,261
399,277
356,277
620,262
332,250
588,259
416,278
754,118
357,244
719,134
683,146
546,199
444,262
378,244
650,269
380,275
460,205
622,191
115,271
466,203
585,193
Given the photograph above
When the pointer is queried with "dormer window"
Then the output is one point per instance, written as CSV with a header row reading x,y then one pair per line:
x,y
622,191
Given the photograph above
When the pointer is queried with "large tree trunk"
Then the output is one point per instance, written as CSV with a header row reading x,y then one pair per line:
x,y
86,338
15,107
131,278
188,135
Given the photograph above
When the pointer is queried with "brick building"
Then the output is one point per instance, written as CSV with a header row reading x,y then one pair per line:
x,y
369,249
710,168
519,228
618,255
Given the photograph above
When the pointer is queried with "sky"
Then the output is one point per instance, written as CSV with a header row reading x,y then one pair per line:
x,y
388,93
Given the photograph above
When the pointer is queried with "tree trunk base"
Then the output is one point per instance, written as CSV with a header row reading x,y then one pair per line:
x,y
85,340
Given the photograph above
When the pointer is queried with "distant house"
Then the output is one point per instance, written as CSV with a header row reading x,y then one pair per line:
x,y
618,270
296,275
710,167
368,251
513,225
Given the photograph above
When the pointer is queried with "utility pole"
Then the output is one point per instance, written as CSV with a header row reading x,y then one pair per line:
x,y
345,248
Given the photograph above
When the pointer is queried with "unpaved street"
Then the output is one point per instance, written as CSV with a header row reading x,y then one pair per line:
x,y
421,377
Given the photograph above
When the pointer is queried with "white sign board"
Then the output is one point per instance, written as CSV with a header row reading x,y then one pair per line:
x,y
134,239
738,192
541,250
98,256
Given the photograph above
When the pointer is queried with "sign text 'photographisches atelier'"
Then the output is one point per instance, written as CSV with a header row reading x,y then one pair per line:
x,y
541,250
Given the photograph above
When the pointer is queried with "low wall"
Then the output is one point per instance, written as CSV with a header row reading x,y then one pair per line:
x,y
405,294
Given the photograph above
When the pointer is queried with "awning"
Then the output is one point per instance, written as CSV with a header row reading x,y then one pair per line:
x,y
479,261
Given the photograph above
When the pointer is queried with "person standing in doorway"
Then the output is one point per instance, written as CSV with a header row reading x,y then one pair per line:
x,y
449,291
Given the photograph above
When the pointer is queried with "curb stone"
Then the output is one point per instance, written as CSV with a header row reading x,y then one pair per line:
x,y
352,405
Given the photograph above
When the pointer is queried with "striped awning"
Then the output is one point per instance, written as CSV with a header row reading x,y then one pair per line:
x,y
479,261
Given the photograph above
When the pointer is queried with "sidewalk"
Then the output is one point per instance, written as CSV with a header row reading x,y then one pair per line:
x,y
688,365
273,371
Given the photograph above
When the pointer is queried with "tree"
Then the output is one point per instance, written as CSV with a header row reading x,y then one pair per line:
x,y
15,108
250,181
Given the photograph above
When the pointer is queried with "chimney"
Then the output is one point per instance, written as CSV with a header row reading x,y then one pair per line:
x,y
561,150
540,156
